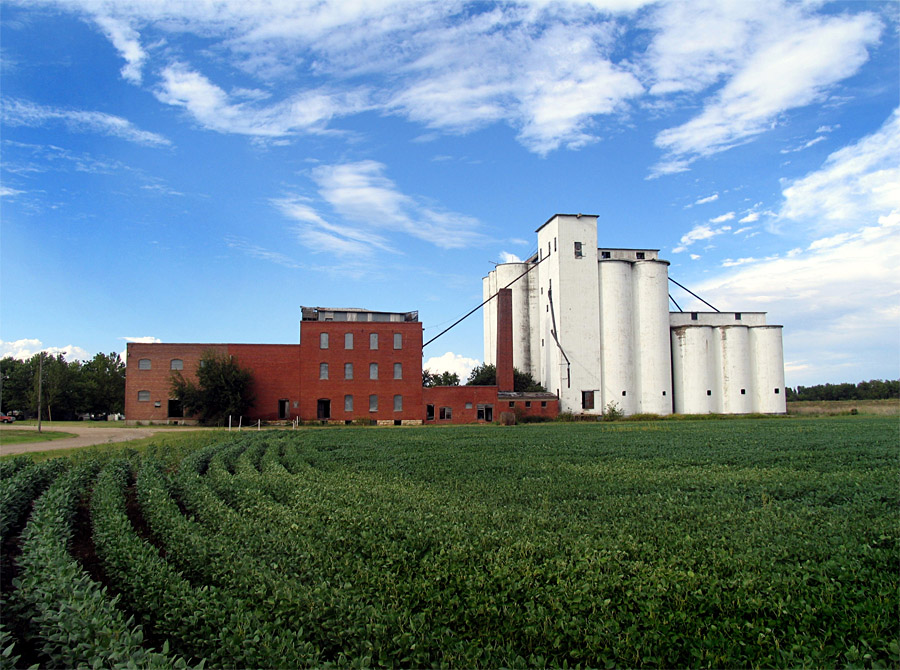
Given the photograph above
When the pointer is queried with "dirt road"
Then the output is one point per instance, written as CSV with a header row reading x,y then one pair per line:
x,y
86,436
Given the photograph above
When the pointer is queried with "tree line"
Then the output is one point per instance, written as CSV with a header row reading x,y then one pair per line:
x,y
69,389
874,389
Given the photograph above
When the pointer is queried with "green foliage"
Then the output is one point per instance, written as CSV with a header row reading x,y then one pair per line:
x,y
733,543
445,378
223,389
486,375
612,412
20,490
875,389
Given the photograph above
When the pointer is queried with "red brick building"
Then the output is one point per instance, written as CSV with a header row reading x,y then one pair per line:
x,y
350,365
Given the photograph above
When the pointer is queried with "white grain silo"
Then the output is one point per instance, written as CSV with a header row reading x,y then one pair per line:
x,y
693,369
767,363
734,368
653,369
617,334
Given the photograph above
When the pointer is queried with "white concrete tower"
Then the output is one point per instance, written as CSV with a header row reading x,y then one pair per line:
x,y
569,311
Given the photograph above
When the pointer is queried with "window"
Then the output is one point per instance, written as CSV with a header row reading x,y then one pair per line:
x,y
468,405
527,403
543,403
743,391
694,316
143,396
554,244
578,253
175,408
176,364
373,403
485,413
429,412
323,370
373,370
708,392
587,400
664,393
398,370
398,403
323,340
348,340
623,394
398,340
604,254
348,370
512,403
737,316
373,340
348,403
640,255
777,391
144,364
446,413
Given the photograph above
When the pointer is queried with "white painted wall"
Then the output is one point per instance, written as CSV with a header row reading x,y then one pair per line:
x,y
653,354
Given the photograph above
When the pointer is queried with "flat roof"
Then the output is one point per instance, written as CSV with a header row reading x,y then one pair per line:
x,y
577,216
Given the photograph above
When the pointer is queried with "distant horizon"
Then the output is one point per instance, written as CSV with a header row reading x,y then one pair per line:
x,y
194,172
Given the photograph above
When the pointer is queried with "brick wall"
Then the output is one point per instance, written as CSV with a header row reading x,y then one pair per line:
x,y
361,356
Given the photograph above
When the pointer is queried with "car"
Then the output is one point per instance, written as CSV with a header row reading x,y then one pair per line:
x,y
5,418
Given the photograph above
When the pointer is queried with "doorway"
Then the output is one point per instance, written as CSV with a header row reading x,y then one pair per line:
x,y
323,409
283,405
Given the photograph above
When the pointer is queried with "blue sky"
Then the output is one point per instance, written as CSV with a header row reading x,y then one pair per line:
x,y
194,172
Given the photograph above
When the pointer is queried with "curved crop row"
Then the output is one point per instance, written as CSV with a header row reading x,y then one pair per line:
x,y
75,621
205,622
19,491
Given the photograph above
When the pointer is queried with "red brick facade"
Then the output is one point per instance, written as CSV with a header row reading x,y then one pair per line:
x,y
342,371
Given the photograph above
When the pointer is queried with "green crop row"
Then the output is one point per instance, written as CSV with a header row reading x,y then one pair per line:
x,y
19,491
74,620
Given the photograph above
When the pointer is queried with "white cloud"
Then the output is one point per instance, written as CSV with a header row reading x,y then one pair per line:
x,y
724,217
26,348
360,192
749,218
856,183
451,362
22,113
127,41
7,192
255,251
709,198
307,111
699,232
794,60
506,257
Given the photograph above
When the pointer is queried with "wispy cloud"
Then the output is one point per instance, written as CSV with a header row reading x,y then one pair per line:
x,y
255,251
23,113
709,198
214,109
127,41
361,193
793,61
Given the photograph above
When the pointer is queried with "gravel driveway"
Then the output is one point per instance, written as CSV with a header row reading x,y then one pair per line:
x,y
86,436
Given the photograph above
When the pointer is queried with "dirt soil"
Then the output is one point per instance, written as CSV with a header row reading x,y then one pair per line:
x,y
86,436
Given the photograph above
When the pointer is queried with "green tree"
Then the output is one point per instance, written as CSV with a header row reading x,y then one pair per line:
x,y
445,378
486,375
17,379
222,389
103,385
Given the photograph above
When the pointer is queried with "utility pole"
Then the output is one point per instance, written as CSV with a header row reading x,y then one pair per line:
x,y
40,387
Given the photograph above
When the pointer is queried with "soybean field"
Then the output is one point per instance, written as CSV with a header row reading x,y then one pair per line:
x,y
718,543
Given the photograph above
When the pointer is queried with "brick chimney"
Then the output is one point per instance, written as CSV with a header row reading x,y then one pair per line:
x,y
504,340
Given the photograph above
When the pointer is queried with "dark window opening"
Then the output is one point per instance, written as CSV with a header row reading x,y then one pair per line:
x,y
640,255
446,413
777,391
323,409
578,253
743,391
283,405
543,403
708,392
664,392
398,422
623,394
527,403
605,254
175,408
737,316
587,400
512,403
485,413
429,412
348,422
694,316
